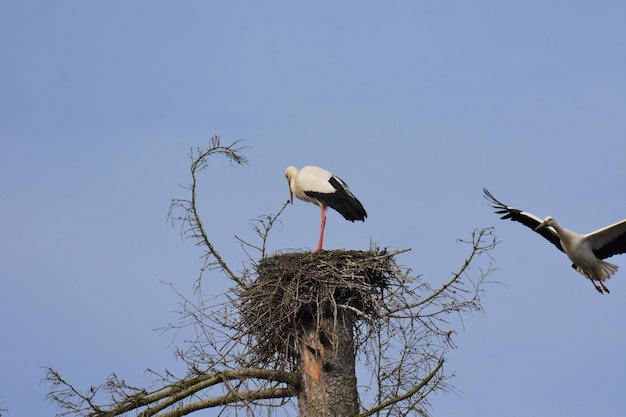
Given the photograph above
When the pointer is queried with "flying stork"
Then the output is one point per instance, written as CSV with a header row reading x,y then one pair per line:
x,y
318,186
585,251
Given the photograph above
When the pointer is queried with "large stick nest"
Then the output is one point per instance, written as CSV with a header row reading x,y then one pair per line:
x,y
293,290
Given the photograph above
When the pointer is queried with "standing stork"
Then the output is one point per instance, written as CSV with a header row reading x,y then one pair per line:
x,y
318,186
585,251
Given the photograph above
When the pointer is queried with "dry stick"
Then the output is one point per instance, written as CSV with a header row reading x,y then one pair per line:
x,y
406,395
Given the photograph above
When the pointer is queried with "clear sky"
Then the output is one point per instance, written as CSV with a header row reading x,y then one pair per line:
x,y
417,105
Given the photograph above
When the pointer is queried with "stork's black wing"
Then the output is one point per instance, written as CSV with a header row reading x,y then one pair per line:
x,y
524,218
609,241
341,200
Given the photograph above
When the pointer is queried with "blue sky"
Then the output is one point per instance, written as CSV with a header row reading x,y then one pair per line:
x,y
416,105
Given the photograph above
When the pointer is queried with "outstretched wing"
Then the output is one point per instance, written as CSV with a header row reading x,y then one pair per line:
x,y
529,220
609,241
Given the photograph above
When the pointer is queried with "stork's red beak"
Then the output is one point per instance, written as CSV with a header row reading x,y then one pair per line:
x,y
290,191
541,225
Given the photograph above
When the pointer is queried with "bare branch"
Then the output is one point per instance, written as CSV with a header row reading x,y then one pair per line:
x,y
454,285
250,396
262,226
124,398
405,395
191,222
412,333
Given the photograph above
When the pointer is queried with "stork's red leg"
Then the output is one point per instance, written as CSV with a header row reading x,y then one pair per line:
x,y
604,287
598,287
319,244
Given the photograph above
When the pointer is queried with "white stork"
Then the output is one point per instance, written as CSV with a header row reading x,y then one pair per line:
x,y
585,251
318,186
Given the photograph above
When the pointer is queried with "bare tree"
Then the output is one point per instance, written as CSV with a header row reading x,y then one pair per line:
x,y
287,336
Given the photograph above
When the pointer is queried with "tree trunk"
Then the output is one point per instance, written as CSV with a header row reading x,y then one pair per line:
x,y
327,367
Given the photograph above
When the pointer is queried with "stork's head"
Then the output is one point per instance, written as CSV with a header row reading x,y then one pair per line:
x,y
548,221
290,174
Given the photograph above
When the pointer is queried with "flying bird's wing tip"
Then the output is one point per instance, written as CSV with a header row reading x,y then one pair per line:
x,y
496,204
491,198
501,208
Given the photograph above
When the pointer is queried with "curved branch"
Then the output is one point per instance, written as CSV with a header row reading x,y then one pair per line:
x,y
262,226
406,395
190,387
284,385
191,223
478,247
266,394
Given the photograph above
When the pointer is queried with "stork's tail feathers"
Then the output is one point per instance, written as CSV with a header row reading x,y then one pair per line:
x,y
602,271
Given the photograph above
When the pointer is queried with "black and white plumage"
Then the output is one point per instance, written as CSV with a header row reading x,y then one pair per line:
x,y
585,251
318,186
